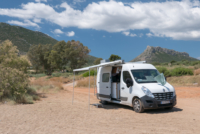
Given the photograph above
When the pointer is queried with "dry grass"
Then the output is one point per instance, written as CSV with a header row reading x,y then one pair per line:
x,y
184,80
85,82
44,85
197,72
51,84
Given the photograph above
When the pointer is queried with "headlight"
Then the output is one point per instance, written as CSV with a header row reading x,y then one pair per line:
x,y
174,93
147,92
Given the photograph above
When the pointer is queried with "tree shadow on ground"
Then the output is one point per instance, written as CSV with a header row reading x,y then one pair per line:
x,y
110,106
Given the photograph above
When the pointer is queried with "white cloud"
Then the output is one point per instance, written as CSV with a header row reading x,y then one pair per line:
x,y
40,0
72,33
104,36
37,20
126,33
133,35
149,34
26,23
175,19
78,1
129,34
58,31
198,58
140,35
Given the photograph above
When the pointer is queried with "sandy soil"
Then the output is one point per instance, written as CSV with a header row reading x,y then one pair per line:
x,y
56,114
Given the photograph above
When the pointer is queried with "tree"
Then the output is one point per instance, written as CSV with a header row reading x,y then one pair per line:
x,y
58,57
38,55
114,57
97,61
72,53
77,54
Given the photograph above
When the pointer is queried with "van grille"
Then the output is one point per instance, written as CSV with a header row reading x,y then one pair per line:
x,y
163,96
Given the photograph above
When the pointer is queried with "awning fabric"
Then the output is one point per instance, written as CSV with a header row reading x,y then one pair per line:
x,y
99,65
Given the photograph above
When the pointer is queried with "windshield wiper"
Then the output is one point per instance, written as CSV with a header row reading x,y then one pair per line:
x,y
147,82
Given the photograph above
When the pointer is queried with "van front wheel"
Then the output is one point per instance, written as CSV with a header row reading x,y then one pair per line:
x,y
137,106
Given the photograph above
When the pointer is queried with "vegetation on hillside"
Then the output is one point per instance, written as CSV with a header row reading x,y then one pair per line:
x,y
164,57
97,61
23,38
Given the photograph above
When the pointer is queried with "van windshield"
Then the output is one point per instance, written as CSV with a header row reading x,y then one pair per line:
x,y
145,75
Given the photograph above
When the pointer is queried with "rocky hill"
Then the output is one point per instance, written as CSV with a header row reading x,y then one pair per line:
x,y
22,37
158,54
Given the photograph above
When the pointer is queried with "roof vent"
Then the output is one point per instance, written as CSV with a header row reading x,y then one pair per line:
x,y
104,61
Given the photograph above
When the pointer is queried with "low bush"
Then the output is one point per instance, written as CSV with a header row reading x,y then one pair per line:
x,y
92,73
164,64
156,63
14,83
197,72
181,71
197,66
164,71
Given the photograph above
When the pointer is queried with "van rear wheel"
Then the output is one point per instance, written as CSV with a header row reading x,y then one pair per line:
x,y
137,106
103,102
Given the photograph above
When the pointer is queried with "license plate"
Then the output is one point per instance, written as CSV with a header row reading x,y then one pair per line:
x,y
165,102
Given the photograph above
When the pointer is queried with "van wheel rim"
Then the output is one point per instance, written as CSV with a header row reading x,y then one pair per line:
x,y
137,105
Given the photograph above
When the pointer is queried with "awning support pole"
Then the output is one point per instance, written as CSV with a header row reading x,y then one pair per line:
x,y
94,83
89,92
73,89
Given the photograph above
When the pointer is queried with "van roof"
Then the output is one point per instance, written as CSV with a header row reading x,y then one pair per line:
x,y
134,66
128,65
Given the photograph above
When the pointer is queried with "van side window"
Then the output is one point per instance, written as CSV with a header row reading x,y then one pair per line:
x,y
105,77
126,75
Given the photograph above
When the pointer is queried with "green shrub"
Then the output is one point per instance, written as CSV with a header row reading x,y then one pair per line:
x,y
181,71
57,74
193,63
164,71
156,63
92,72
164,64
197,66
14,83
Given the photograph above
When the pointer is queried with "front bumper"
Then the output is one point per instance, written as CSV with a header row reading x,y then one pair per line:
x,y
152,103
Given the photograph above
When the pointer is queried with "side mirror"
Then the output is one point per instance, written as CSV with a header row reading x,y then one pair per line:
x,y
129,82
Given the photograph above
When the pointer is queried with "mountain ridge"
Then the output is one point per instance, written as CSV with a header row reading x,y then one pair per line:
x,y
158,54
23,38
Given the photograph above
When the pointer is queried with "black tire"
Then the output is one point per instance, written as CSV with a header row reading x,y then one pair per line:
x,y
169,108
137,106
103,102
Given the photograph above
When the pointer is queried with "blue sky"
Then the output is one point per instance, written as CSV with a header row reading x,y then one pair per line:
x,y
110,27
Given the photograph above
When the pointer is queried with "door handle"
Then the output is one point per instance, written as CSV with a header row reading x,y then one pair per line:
x,y
122,87
106,87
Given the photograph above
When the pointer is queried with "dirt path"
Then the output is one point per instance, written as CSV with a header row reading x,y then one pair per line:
x,y
56,114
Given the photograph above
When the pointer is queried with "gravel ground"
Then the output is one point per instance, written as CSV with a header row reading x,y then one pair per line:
x,y
56,114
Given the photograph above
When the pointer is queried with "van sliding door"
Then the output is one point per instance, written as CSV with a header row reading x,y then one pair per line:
x,y
105,83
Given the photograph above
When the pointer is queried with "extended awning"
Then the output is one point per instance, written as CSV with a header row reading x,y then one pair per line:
x,y
100,65
89,68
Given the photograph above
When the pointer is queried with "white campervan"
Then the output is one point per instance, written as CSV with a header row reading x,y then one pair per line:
x,y
136,84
